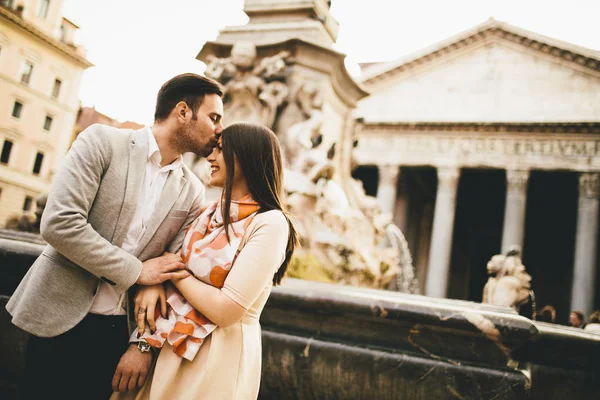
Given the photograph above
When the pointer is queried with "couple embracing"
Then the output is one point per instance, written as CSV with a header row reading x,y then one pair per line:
x,y
144,291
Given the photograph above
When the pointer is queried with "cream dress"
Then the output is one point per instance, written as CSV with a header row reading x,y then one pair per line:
x,y
228,364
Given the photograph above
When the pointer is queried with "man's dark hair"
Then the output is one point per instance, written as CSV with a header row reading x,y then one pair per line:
x,y
190,88
547,314
579,314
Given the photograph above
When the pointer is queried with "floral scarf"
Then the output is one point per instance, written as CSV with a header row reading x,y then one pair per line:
x,y
209,258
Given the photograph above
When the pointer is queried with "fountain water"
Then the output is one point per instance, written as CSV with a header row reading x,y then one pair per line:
x,y
405,279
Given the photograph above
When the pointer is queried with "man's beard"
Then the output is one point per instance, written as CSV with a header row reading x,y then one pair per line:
x,y
186,141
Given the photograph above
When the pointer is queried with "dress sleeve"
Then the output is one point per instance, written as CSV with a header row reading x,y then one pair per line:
x,y
258,260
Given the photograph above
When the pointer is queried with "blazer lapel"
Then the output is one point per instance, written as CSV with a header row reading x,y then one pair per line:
x,y
172,189
138,157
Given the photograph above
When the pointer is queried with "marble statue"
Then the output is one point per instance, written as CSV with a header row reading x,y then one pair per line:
x,y
511,285
340,227
254,91
301,137
356,245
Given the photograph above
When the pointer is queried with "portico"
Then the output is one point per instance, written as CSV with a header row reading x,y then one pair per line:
x,y
513,150
492,137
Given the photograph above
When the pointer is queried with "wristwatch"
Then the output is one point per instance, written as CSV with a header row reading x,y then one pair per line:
x,y
144,346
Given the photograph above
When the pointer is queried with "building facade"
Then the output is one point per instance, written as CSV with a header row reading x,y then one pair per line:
x,y
486,140
40,74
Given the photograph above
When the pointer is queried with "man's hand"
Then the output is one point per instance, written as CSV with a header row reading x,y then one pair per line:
x,y
160,269
146,300
132,369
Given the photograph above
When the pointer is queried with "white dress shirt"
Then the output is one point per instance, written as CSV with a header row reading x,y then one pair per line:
x,y
107,301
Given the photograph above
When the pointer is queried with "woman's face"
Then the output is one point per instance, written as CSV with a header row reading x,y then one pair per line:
x,y
218,170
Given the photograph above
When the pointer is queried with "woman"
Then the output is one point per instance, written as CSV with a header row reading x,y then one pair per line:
x,y
237,249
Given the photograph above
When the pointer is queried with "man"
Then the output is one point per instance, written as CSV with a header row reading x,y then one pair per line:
x,y
119,201
577,319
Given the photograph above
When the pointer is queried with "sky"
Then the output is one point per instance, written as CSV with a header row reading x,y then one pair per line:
x,y
137,45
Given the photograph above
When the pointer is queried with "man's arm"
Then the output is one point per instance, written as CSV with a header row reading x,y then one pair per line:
x,y
65,224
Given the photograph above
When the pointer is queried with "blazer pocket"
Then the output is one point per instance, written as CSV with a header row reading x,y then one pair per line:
x,y
178,213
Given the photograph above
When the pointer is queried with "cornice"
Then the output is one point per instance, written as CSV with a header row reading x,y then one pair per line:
x,y
495,127
10,17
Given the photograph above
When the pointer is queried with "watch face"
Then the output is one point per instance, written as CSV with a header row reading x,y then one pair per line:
x,y
144,347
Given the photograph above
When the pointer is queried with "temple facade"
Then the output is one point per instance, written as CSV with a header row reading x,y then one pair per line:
x,y
484,141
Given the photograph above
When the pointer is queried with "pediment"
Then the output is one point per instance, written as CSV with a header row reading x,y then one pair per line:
x,y
494,77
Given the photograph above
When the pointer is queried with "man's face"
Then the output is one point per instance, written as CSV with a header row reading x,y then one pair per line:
x,y
200,134
574,320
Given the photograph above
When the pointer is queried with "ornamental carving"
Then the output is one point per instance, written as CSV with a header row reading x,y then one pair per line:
x,y
516,181
589,185
448,178
254,90
388,174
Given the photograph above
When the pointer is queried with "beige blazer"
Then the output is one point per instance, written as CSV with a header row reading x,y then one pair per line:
x,y
90,207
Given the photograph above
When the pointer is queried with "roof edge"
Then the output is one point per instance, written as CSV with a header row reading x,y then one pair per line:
x,y
577,54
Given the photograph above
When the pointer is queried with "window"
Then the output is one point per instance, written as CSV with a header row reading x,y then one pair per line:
x,y
17,108
48,123
6,149
43,10
56,88
26,72
27,203
37,167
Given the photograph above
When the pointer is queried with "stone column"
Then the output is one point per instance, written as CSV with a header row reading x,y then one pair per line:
x,y
514,211
386,191
441,235
584,270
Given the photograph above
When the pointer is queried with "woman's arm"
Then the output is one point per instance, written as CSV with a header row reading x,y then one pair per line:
x,y
253,270
210,301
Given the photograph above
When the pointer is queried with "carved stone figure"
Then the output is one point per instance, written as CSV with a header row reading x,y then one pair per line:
x,y
356,245
303,135
511,285
253,90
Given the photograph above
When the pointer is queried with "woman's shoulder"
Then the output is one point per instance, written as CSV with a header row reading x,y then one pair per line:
x,y
275,217
271,223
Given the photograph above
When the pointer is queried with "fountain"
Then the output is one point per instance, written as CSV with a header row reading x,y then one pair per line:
x,y
302,91
324,341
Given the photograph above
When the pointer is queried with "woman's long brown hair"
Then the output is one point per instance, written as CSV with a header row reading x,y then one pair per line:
x,y
258,153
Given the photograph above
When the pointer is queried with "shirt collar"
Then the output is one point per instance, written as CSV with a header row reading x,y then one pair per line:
x,y
155,157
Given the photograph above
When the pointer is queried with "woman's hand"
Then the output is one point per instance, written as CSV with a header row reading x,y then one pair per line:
x,y
145,301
